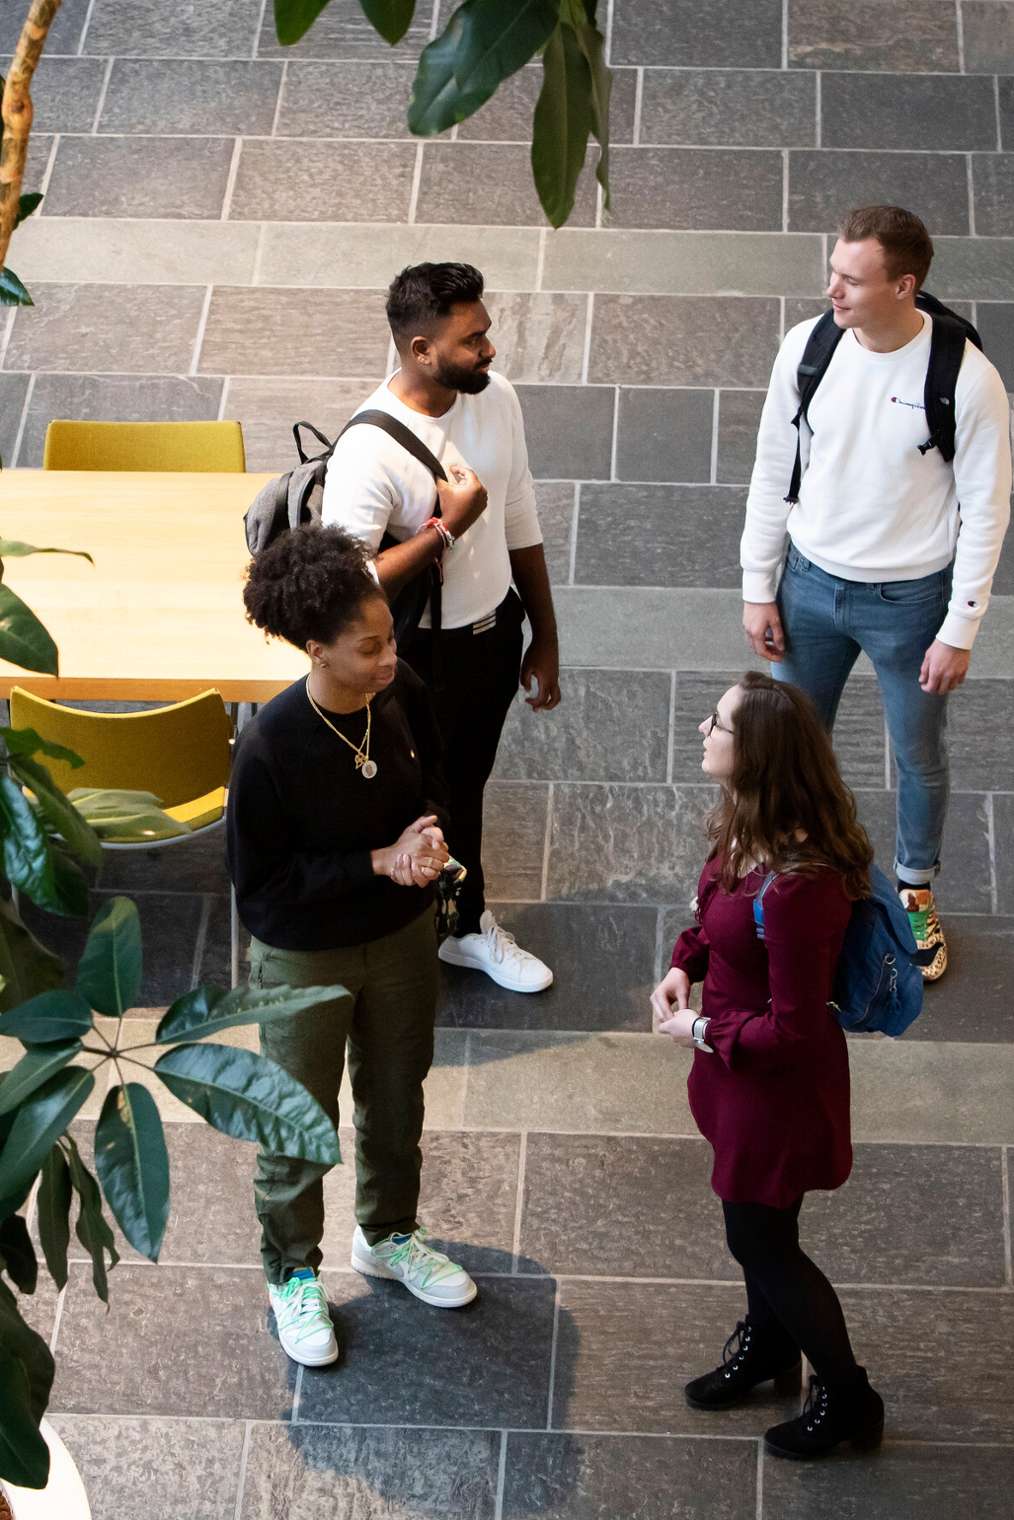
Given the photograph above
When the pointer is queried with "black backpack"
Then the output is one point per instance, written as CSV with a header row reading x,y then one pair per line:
x,y
295,498
947,349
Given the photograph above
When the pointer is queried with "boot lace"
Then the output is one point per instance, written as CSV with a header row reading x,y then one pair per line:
x,y
816,1406
733,1356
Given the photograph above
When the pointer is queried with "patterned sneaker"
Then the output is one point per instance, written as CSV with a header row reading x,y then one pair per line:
x,y
304,1322
497,953
429,1274
921,908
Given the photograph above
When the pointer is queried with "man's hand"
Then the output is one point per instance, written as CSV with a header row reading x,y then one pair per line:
x,y
462,499
944,668
763,628
542,662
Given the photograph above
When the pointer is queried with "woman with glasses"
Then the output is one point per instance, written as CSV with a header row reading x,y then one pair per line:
x,y
335,840
769,1085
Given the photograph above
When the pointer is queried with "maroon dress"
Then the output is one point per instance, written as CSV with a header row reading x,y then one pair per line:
x,y
773,1099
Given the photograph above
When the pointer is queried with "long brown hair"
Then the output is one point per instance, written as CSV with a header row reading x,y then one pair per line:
x,y
785,781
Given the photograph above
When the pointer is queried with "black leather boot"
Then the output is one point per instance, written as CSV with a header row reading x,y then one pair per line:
x,y
747,1359
845,1412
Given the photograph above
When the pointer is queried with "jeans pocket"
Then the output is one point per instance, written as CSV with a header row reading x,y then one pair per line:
x,y
795,562
916,593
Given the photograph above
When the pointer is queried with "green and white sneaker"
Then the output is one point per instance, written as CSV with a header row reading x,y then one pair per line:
x,y
429,1274
303,1319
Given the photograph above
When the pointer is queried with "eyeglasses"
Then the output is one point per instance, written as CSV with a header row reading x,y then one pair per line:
x,y
715,722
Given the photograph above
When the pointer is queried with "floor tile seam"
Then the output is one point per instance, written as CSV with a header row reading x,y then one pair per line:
x,y
1001,1291
519,1199
1006,1207
501,1477
241,1476
553,1347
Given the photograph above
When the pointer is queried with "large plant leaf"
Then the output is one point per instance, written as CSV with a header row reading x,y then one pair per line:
x,y
71,886
207,1010
484,42
592,44
35,1068
40,1119
26,205
109,971
24,1455
26,852
52,1212
563,117
121,814
26,966
25,741
391,18
60,814
294,18
13,548
17,1254
13,293
23,639
30,1349
92,1228
250,1098
133,1166
49,1018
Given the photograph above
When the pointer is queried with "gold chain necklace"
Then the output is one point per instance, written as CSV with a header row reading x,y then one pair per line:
x,y
364,765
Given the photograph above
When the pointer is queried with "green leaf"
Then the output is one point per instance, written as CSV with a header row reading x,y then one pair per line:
x,y
207,1010
38,1122
115,814
27,859
24,1455
23,639
71,897
30,1349
17,1254
250,1098
26,966
13,548
57,811
33,1070
25,742
592,44
91,1226
12,292
133,1166
109,971
562,123
49,1018
52,1211
484,42
391,18
294,18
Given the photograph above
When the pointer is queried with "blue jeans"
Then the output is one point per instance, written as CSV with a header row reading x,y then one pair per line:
x,y
827,623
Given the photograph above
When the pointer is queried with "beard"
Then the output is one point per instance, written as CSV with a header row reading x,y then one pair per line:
x,y
459,377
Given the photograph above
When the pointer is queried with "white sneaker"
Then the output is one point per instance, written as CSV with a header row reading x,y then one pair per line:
x,y
304,1322
429,1274
497,953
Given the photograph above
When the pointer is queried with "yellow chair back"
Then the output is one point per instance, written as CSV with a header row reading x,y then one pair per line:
x,y
197,446
179,753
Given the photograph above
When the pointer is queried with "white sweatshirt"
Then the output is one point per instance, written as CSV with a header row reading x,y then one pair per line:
x,y
374,486
871,507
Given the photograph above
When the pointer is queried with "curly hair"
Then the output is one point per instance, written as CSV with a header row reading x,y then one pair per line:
x,y
308,584
422,294
785,782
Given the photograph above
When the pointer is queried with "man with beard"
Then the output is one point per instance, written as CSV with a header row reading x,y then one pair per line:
x,y
486,536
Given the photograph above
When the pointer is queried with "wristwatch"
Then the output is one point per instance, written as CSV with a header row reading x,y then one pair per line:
x,y
698,1030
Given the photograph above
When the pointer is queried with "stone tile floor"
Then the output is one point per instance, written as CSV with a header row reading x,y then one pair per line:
x,y
562,1166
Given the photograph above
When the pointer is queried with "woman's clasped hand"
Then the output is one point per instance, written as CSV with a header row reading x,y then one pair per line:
x,y
418,855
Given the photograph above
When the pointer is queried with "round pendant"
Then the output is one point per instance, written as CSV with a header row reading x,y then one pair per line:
x,y
369,769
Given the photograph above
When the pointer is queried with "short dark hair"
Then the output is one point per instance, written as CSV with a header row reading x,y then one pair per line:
x,y
423,294
308,584
908,247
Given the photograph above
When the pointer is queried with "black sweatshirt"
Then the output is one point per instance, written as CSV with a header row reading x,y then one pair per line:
x,y
302,820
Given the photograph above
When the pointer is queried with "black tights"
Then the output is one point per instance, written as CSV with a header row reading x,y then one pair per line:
x,y
791,1303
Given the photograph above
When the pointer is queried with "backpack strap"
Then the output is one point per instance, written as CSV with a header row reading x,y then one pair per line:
x,y
820,346
409,441
758,904
305,458
947,349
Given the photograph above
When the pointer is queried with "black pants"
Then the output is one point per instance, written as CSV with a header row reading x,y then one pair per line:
x,y
791,1303
478,682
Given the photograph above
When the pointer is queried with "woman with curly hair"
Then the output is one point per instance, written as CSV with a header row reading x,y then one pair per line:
x,y
335,839
769,1086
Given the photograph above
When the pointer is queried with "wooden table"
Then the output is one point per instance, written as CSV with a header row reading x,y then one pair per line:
x,y
160,614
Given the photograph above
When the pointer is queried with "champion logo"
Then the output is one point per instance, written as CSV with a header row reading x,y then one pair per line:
x,y
916,406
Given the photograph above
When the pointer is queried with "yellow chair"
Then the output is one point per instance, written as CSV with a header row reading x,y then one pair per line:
x,y
181,753
198,446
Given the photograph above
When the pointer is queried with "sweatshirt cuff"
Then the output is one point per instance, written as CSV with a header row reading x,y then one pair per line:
x,y
758,586
359,868
959,632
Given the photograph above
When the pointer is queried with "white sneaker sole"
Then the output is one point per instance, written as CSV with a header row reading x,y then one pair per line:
x,y
308,1358
452,955
377,1269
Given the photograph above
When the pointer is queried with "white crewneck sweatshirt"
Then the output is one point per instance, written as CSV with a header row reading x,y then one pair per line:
x,y
871,507
374,486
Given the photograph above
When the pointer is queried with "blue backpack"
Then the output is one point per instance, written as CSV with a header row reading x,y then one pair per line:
x,y
878,982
